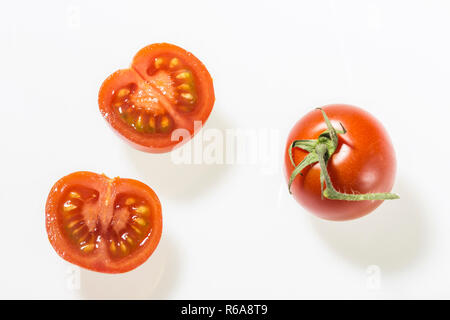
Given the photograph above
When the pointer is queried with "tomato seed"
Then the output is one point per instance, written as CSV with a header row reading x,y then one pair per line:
x,y
140,221
130,240
136,229
69,206
73,223
123,247
188,96
184,86
78,230
123,92
88,247
142,210
112,247
74,194
183,75
158,62
173,63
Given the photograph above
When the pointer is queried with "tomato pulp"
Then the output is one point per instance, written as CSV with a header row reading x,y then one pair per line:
x,y
101,224
166,88
364,162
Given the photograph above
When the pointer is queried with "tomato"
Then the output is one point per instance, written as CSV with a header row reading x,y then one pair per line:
x,y
363,162
101,224
166,88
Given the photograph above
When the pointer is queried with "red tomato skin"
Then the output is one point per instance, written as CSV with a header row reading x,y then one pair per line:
x,y
364,162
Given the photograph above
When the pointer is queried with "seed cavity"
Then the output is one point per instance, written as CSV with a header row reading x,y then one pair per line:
x,y
76,229
129,225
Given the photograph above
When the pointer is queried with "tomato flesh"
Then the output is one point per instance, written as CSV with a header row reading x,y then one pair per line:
x,y
166,88
102,224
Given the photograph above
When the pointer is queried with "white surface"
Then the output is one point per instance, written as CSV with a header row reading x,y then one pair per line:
x,y
230,231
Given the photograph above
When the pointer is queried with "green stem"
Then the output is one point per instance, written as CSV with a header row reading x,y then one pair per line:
x,y
307,145
311,158
331,193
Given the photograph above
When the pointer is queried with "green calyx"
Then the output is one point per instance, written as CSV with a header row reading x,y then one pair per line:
x,y
321,150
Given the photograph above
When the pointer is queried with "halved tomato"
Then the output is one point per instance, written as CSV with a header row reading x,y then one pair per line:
x,y
102,224
166,88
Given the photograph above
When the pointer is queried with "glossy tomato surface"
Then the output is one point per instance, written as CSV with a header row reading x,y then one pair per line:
x,y
364,162
101,224
166,88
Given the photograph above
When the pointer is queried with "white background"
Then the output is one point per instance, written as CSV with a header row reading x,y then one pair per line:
x,y
230,231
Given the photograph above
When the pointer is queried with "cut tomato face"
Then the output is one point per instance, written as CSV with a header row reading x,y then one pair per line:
x,y
101,224
166,88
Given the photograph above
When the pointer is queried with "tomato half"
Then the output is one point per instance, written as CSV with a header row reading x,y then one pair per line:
x,y
101,224
364,162
166,88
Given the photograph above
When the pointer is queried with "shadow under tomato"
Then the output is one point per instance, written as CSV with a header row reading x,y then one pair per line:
x,y
180,181
154,279
392,237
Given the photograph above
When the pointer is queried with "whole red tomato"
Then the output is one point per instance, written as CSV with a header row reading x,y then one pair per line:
x,y
362,162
